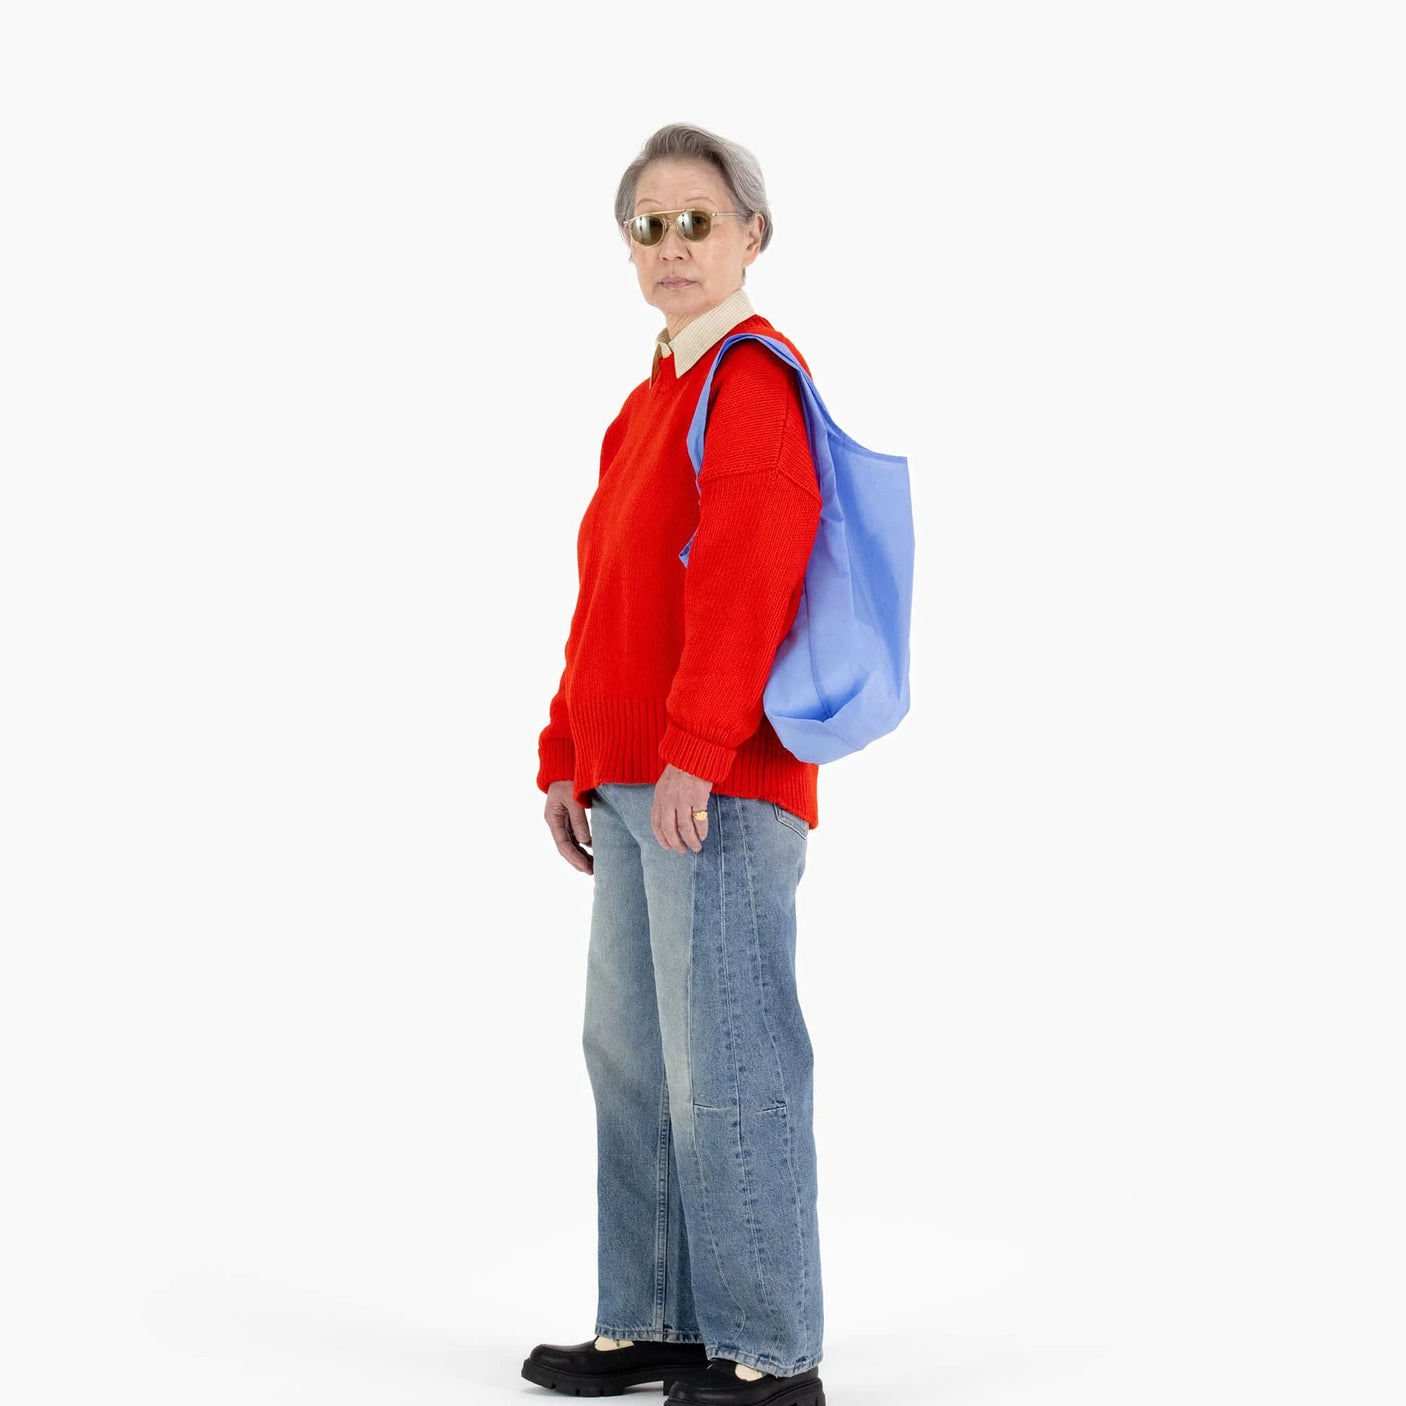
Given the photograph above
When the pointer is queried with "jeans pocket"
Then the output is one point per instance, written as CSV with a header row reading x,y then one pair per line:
x,y
791,820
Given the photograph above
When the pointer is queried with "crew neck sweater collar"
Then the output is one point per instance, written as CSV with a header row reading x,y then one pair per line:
x,y
705,331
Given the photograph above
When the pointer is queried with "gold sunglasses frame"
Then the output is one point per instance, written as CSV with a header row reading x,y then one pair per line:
x,y
626,226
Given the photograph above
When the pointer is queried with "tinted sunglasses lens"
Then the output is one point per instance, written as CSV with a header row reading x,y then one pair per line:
x,y
649,229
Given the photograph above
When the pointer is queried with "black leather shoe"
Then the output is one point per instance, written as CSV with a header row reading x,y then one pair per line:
x,y
721,1386
584,1369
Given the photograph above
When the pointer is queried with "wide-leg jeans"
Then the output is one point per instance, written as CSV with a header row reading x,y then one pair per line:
x,y
701,1068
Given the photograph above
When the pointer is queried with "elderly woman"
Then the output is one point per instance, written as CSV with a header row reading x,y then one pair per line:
x,y
697,1051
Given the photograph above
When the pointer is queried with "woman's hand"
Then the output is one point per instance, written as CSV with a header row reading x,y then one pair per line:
x,y
566,819
677,794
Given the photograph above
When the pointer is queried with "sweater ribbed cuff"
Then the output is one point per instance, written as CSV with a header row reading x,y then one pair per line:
x,y
556,761
695,755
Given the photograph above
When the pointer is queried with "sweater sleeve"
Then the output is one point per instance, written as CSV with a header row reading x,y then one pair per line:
x,y
556,749
758,513
556,752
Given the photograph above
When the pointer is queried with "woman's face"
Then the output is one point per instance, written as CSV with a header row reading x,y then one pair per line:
x,y
683,279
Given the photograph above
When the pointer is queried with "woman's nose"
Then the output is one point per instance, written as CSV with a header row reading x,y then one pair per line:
x,y
679,243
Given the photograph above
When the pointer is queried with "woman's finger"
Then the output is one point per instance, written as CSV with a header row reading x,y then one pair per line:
x,y
559,822
667,828
694,831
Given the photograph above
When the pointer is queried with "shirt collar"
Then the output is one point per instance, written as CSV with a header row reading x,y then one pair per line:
x,y
707,329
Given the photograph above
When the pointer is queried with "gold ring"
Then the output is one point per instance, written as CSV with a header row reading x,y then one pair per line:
x,y
700,814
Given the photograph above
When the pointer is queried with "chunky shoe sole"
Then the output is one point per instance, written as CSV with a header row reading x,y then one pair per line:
x,y
807,1393
607,1383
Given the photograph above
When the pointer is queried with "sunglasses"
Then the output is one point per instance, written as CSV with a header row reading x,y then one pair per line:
x,y
693,225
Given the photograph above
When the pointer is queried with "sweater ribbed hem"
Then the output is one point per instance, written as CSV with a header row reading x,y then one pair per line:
x,y
556,761
617,739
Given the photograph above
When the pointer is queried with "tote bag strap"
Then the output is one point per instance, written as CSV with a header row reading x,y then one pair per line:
x,y
698,428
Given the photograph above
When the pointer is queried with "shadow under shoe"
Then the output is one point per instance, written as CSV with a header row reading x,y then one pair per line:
x,y
720,1385
583,1369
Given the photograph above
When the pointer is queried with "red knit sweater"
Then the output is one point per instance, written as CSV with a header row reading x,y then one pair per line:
x,y
666,663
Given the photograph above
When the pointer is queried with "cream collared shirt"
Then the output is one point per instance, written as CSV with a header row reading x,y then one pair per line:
x,y
706,330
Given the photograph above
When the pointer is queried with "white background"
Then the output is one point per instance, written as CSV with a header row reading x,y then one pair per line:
x,y
313,317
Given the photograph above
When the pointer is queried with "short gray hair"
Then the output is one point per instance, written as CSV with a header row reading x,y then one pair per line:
x,y
740,170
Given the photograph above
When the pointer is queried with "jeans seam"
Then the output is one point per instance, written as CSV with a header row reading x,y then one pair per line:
x,y
688,1053
753,1234
761,989
661,1235
766,1361
646,1335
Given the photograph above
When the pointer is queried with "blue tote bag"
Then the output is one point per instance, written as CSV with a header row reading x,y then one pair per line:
x,y
840,677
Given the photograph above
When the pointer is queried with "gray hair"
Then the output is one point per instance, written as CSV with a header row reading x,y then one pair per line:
x,y
741,173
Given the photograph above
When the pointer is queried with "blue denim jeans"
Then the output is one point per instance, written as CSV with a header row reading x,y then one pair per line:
x,y
700,1063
